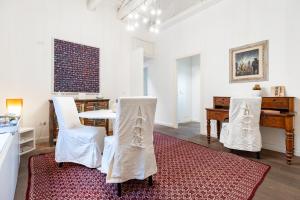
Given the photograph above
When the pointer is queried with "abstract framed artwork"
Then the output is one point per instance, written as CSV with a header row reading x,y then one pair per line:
x,y
249,62
76,68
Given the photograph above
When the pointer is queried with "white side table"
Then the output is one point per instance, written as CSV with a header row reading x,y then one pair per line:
x,y
27,140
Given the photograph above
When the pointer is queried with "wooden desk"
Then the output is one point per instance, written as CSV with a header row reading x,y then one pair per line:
x,y
83,105
283,120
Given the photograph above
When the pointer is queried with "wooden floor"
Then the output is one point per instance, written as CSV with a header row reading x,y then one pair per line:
x,y
23,170
281,183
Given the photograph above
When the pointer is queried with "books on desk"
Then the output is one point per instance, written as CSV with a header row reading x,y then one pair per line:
x,y
271,111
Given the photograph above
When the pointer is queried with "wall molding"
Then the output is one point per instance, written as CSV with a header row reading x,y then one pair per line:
x,y
277,148
265,145
273,147
42,140
166,124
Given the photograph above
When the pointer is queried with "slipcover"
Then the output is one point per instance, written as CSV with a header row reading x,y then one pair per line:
x,y
76,143
242,132
129,153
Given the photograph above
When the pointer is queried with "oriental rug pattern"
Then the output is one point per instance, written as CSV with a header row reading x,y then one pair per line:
x,y
185,171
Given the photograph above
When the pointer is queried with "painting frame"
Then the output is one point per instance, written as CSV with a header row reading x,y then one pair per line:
x,y
260,52
278,91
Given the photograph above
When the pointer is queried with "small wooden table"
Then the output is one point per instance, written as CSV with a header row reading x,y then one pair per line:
x,y
98,114
284,119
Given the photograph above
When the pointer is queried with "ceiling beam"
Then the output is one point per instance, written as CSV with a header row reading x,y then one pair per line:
x,y
129,6
92,4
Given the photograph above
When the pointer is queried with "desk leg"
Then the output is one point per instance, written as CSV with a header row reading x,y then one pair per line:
x,y
289,140
218,129
289,143
107,126
208,131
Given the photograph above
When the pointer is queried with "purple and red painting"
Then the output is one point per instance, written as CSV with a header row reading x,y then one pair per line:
x,y
76,67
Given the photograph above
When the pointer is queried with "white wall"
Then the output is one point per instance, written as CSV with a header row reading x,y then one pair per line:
x,y
196,112
212,33
27,31
137,72
184,90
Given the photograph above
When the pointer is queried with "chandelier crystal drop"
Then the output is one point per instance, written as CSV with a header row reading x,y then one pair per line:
x,y
146,15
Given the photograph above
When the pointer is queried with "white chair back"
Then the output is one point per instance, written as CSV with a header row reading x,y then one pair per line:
x,y
66,112
242,132
244,113
133,131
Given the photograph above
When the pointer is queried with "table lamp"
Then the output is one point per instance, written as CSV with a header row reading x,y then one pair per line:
x,y
14,107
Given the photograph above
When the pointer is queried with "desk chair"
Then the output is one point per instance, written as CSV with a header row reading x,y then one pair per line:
x,y
76,143
242,132
129,153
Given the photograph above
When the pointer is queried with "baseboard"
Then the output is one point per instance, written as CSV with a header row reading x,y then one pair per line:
x,y
42,140
212,134
186,120
273,147
166,124
297,153
276,147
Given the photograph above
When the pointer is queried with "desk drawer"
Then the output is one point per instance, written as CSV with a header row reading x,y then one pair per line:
x,y
272,121
217,115
222,101
96,105
100,122
89,122
275,103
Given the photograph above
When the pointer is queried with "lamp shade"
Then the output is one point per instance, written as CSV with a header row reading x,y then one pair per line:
x,y
14,106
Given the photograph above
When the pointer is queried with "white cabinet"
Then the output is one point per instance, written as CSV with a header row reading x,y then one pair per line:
x,y
9,165
27,140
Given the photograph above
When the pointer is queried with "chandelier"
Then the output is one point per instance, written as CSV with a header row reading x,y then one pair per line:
x,y
147,14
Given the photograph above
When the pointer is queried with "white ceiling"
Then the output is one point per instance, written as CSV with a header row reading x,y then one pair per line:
x,y
170,8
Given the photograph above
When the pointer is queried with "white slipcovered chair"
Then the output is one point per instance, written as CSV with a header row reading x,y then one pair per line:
x,y
76,143
242,132
129,153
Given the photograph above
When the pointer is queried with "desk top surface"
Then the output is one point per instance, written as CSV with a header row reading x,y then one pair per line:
x,y
262,112
85,100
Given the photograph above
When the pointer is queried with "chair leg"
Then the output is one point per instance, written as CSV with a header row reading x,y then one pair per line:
x,y
150,181
119,189
258,155
60,164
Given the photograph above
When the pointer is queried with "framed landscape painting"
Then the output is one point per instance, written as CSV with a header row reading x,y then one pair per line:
x,y
249,63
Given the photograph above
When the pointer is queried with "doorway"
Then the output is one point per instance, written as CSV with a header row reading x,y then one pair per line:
x,y
148,63
188,94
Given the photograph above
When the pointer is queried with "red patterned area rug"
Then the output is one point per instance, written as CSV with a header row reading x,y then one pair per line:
x,y
185,171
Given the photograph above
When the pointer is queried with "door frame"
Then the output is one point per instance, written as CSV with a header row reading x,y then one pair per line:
x,y
176,80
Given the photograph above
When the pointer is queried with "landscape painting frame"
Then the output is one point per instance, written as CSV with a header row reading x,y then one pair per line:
x,y
249,63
